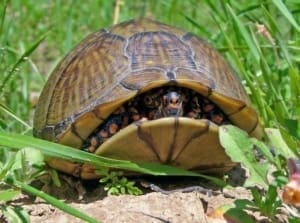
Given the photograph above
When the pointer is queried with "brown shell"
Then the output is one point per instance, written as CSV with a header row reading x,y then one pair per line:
x,y
111,66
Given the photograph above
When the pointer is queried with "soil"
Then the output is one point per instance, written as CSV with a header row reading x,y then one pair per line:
x,y
175,204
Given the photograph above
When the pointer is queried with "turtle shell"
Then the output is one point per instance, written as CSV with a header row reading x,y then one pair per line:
x,y
110,67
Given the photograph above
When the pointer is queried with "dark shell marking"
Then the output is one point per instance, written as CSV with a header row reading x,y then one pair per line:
x,y
154,104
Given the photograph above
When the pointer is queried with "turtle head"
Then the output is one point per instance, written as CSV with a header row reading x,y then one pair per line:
x,y
171,105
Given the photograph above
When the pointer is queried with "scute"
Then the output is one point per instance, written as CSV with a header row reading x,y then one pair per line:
x,y
159,50
211,63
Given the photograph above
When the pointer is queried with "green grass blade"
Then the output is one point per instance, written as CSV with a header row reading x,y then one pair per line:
x,y
18,141
295,91
53,201
11,114
257,95
192,21
280,39
69,28
285,11
267,75
243,31
2,18
20,61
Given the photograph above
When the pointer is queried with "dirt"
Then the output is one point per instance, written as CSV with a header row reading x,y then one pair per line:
x,y
155,207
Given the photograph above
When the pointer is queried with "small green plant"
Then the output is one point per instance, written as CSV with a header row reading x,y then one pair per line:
x,y
266,200
24,165
116,183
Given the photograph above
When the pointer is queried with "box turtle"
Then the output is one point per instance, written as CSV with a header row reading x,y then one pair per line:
x,y
146,92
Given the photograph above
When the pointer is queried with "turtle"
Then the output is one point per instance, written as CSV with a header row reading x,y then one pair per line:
x,y
144,91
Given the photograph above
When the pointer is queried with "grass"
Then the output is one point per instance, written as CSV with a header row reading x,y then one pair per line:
x,y
260,39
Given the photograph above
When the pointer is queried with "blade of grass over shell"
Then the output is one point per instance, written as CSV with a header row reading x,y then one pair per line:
x,y
18,141
20,61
